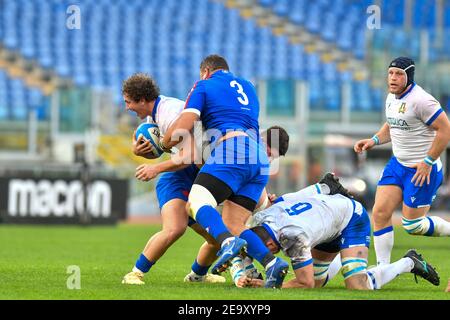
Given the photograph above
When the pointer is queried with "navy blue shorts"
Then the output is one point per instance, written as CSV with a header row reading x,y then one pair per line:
x,y
176,185
242,164
414,197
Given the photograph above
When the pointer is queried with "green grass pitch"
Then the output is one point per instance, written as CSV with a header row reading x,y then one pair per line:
x,y
34,261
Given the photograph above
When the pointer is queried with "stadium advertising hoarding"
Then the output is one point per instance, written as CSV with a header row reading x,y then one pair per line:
x,y
53,200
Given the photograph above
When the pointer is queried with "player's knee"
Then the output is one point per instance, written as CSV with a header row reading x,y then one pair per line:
x,y
213,246
381,216
188,207
235,224
354,271
199,197
419,226
174,233
321,272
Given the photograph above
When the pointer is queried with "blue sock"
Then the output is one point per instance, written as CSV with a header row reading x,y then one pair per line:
x,y
256,247
143,263
198,269
210,220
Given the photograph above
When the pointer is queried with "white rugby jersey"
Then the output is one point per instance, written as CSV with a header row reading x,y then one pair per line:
x,y
409,118
311,220
166,111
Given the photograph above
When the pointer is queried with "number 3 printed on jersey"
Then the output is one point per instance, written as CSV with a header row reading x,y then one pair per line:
x,y
243,99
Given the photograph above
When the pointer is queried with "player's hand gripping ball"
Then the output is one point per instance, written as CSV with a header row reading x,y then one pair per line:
x,y
150,132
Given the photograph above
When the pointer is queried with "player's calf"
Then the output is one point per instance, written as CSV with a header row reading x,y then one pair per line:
x,y
321,273
354,272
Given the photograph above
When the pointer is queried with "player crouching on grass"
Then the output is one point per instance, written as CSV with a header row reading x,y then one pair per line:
x,y
242,265
312,229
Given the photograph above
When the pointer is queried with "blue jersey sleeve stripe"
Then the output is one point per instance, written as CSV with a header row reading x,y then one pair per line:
x,y
272,235
279,199
301,264
435,115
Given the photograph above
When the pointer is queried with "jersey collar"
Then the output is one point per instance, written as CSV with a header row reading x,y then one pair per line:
x,y
272,235
155,107
409,90
220,72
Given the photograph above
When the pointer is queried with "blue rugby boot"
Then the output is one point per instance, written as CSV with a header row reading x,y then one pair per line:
x,y
227,252
275,273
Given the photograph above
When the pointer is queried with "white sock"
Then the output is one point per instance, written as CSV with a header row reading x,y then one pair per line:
x,y
334,267
312,190
383,241
237,268
324,188
441,227
385,273
137,270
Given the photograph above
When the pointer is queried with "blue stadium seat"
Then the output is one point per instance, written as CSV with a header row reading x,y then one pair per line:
x,y
167,39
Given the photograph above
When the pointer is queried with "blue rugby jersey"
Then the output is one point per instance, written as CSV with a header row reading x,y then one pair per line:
x,y
225,102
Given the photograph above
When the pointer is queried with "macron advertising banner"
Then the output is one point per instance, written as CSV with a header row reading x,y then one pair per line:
x,y
62,201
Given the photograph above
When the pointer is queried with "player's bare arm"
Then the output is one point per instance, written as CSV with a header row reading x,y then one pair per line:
x,y
147,172
381,137
184,123
304,278
442,127
179,161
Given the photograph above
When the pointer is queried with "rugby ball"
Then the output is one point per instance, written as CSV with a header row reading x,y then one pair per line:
x,y
150,132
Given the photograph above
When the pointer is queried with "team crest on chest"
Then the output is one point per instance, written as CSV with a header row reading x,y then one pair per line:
x,y
402,108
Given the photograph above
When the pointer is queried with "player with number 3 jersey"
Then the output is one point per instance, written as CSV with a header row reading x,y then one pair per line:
x,y
238,167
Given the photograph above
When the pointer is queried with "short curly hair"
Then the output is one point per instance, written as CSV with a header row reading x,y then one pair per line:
x,y
140,86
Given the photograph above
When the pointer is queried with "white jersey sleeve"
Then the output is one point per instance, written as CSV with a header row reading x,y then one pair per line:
x,y
409,118
167,111
427,109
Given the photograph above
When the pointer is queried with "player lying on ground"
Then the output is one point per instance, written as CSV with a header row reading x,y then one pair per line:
x,y
243,264
420,131
312,229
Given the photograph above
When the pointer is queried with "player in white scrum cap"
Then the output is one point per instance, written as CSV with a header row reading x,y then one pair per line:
x,y
419,131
